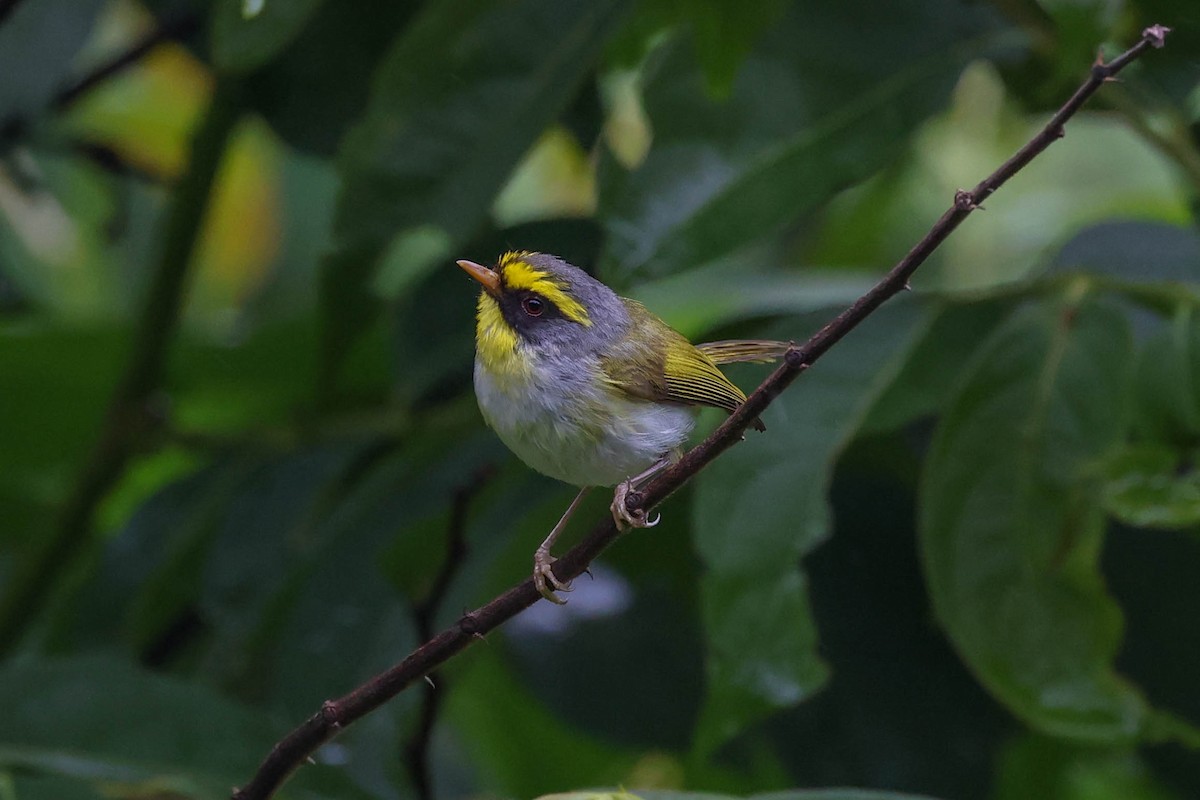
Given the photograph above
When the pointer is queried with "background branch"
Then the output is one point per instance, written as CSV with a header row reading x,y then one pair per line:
x,y
334,715
416,751
177,26
130,414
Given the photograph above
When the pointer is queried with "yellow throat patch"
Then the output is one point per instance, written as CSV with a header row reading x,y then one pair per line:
x,y
495,340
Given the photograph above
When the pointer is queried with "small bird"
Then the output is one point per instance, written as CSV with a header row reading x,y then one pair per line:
x,y
588,387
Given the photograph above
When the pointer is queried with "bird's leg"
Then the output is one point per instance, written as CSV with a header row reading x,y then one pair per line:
x,y
543,561
620,511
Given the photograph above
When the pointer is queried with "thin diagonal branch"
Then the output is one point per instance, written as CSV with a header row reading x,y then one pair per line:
x,y
334,715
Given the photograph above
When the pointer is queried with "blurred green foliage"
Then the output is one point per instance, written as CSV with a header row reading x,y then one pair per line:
x,y
961,564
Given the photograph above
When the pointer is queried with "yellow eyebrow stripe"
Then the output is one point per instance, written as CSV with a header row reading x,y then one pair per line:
x,y
519,274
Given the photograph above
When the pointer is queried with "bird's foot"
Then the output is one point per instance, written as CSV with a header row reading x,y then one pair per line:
x,y
543,577
621,514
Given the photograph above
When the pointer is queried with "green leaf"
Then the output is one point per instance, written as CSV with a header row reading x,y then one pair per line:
x,y
46,787
271,532
722,174
263,380
66,376
325,71
147,575
900,709
931,372
1011,523
498,721
1151,486
333,510
762,505
99,718
793,794
38,47
454,107
58,382
1168,381
1038,766
241,43
723,32
1154,255
762,650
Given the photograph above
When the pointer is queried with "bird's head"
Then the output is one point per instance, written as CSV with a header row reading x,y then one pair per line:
x,y
541,301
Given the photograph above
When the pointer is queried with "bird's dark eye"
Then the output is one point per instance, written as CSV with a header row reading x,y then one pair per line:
x,y
533,306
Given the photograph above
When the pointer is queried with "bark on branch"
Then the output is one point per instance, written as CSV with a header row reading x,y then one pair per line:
x,y
334,715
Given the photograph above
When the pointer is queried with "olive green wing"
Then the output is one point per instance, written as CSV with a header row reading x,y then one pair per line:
x,y
654,362
732,350
677,373
692,377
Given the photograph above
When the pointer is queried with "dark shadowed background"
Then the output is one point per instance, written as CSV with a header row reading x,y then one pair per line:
x,y
238,435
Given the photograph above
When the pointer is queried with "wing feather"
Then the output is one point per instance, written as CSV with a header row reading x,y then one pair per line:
x,y
692,376
675,370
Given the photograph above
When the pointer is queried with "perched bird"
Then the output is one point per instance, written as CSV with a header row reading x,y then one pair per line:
x,y
587,387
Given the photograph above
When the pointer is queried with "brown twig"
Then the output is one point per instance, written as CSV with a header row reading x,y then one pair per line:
x,y
416,751
334,715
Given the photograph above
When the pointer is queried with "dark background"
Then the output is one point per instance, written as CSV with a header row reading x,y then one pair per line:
x,y
237,431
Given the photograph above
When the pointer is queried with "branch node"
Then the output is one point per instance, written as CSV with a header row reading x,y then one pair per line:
x,y
794,358
1156,35
332,714
469,625
965,201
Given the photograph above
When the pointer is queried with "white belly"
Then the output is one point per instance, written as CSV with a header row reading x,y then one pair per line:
x,y
558,420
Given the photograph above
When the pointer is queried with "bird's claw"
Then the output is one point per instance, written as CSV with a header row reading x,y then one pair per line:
x,y
545,580
622,515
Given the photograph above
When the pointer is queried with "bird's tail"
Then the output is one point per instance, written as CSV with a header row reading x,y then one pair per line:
x,y
759,351
730,351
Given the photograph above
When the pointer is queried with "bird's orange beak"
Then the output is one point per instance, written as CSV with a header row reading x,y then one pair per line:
x,y
489,278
